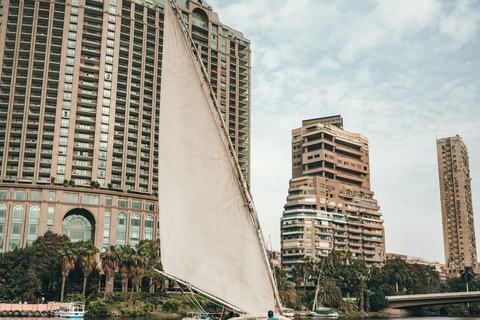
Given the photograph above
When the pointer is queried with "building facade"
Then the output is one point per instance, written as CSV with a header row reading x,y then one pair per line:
x,y
457,208
79,113
330,205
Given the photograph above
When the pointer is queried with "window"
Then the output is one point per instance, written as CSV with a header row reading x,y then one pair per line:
x,y
50,215
148,231
123,203
106,230
19,195
16,227
73,18
199,19
3,193
36,195
111,26
150,206
90,199
185,16
33,221
52,195
121,229
214,28
136,204
135,230
70,197
108,201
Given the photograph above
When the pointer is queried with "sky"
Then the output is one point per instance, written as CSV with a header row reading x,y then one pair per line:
x,y
401,73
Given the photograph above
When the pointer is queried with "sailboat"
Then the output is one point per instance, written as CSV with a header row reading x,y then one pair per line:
x,y
209,230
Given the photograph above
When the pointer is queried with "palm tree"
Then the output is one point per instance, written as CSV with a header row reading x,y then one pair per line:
x,y
307,267
360,280
398,274
330,295
297,274
125,268
109,265
87,259
151,250
467,275
318,276
68,255
286,289
139,263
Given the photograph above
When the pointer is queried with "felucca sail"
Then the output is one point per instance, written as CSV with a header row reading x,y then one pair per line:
x,y
208,236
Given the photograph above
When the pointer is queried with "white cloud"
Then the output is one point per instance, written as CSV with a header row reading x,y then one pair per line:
x,y
399,72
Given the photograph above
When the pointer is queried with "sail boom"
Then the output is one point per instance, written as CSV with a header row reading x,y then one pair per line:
x,y
228,305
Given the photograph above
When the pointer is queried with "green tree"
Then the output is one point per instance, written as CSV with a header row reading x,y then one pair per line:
x,y
48,270
110,261
307,267
467,275
125,263
151,250
87,260
330,295
297,274
138,266
18,281
286,289
398,274
68,256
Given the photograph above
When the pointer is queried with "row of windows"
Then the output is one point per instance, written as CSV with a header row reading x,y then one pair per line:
x,y
73,197
76,227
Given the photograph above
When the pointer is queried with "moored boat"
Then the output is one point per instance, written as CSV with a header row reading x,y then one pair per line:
x,y
287,312
72,310
323,312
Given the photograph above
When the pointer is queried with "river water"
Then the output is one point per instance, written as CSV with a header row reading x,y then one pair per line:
x,y
162,318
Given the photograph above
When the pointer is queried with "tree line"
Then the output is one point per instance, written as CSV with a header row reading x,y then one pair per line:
x,y
326,281
53,266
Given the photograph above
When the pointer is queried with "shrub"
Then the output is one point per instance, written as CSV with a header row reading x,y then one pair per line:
x,y
98,308
171,306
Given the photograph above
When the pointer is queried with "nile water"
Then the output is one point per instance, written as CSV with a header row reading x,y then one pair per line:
x,y
297,318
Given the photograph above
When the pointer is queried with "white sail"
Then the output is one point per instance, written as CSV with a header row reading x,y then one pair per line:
x,y
207,234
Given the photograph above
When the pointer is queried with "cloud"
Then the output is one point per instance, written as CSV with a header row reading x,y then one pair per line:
x,y
401,73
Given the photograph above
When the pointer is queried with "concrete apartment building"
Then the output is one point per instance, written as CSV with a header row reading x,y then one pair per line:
x,y
330,205
79,102
457,208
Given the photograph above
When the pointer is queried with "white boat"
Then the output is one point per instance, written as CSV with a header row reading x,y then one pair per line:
x,y
323,312
289,313
210,235
72,310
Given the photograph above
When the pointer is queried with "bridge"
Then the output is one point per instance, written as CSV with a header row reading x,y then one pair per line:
x,y
421,300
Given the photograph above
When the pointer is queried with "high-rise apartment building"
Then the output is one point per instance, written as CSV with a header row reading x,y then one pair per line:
x,y
79,113
457,209
330,205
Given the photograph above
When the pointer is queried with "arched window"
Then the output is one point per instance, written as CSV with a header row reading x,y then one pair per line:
x,y
77,227
199,19
148,232
3,220
121,229
33,221
16,227
134,230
